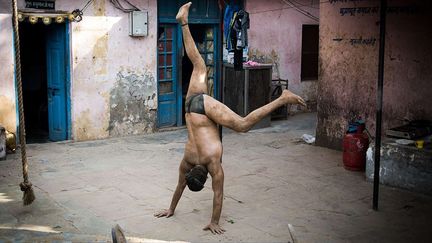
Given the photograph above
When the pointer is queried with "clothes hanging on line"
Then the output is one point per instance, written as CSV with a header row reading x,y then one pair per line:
x,y
228,17
240,25
236,35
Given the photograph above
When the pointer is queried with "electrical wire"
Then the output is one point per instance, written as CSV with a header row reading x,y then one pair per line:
x,y
282,8
305,13
119,6
87,4
78,14
305,5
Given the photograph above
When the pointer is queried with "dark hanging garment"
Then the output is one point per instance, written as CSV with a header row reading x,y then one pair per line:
x,y
238,37
238,59
230,10
232,41
241,25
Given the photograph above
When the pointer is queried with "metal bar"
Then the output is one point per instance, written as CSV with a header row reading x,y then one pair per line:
x,y
219,47
292,235
246,92
377,158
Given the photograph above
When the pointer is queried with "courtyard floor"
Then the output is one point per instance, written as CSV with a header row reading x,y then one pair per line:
x,y
272,179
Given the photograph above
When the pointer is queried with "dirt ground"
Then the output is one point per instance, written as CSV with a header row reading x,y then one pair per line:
x,y
272,179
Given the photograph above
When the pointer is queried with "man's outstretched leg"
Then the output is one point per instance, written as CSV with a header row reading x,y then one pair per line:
x,y
198,81
222,115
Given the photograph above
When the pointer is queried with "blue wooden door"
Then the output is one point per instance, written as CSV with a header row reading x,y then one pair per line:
x,y
56,81
167,75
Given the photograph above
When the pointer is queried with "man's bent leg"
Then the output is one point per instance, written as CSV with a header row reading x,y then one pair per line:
x,y
222,115
198,81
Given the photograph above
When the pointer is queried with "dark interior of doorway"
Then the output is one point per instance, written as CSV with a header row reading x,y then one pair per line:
x,y
198,33
34,79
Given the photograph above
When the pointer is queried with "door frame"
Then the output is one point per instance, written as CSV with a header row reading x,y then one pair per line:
x,y
174,71
179,71
68,78
179,49
68,73
217,48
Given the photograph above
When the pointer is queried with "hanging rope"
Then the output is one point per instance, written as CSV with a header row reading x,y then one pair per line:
x,y
26,186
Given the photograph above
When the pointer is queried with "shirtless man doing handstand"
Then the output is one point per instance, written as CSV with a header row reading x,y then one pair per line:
x,y
203,151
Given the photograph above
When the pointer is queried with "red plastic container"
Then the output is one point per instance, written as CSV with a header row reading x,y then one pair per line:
x,y
355,146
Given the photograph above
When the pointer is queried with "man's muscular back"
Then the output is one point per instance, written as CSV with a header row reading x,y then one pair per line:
x,y
203,146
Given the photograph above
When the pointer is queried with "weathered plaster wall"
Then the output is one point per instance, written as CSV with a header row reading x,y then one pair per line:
x,y
132,103
275,36
349,46
113,84
112,73
7,90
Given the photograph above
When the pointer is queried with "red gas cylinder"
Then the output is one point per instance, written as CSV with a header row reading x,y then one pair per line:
x,y
355,146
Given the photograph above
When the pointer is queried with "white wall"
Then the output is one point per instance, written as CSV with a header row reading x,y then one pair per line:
x,y
7,84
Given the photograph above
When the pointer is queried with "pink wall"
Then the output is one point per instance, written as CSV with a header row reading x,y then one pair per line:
x,y
275,36
348,71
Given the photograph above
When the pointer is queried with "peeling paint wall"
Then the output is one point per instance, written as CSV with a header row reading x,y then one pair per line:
x,y
105,61
275,36
349,44
7,84
133,104
106,64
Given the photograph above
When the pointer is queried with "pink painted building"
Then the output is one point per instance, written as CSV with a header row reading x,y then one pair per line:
x,y
349,44
285,33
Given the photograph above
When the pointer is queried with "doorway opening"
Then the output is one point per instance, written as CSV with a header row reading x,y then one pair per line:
x,y
43,70
34,81
204,36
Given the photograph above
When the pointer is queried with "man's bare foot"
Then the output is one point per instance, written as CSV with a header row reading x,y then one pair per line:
x,y
183,13
292,98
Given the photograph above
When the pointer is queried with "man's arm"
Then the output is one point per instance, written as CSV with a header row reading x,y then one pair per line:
x,y
177,193
217,184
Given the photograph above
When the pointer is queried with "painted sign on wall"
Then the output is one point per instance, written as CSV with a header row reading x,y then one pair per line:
x,y
49,4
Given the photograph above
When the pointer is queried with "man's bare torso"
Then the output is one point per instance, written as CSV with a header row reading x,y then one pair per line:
x,y
203,146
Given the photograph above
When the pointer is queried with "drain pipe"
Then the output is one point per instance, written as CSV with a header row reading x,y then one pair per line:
x,y
378,122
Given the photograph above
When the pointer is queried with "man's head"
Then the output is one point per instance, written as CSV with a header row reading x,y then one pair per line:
x,y
196,178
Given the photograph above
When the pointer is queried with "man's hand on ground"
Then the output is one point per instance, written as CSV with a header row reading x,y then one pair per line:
x,y
214,228
164,213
